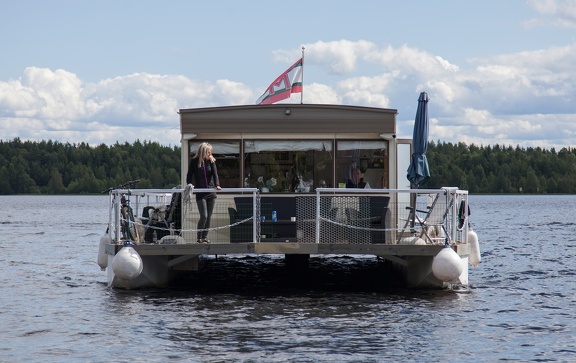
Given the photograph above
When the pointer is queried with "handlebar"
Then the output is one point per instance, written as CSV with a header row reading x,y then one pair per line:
x,y
122,186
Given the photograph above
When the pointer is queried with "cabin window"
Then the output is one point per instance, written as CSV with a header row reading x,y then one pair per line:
x,y
288,165
362,163
227,154
300,165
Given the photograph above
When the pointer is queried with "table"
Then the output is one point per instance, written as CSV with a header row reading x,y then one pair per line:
x,y
279,231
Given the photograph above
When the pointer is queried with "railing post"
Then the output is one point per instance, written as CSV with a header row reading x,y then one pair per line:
x,y
317,237
255,217
451,222
116,217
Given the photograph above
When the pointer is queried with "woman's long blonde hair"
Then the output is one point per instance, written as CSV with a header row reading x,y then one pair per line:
x,y
202,153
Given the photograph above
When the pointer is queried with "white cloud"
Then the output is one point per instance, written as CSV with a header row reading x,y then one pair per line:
x,y
560,13
408,59
339,57
538,81
45,104
517,98
42,93
319,93
368,91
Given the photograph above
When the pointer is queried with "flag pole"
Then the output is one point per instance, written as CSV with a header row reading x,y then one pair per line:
x,y
302,92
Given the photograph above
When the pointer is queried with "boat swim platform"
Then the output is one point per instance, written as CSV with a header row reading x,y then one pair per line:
x,y
286,248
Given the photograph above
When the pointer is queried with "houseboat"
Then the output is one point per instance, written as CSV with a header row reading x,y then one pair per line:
x,y
297,180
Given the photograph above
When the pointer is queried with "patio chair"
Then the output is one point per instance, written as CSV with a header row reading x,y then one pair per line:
x,y
432,221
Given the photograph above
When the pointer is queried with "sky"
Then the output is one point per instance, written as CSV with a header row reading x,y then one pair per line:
x,y
496,71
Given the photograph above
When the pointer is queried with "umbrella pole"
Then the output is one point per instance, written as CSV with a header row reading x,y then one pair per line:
x,y
413,209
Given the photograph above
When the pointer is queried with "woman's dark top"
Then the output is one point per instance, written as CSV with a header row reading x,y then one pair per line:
x,y
205,176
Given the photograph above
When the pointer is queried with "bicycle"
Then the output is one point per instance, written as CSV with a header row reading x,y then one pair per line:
x,y
128,228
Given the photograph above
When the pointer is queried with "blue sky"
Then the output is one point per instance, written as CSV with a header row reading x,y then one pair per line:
x,y
497,72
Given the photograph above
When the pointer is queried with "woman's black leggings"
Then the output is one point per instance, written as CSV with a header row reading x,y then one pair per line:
x,y
205,208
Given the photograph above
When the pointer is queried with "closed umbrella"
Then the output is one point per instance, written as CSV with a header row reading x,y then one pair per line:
x,y
418,171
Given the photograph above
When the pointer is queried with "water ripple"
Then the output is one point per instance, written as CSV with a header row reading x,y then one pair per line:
x,y
520,305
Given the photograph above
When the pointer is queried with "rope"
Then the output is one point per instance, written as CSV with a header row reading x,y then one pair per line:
x,y
187,194
374,229
139,223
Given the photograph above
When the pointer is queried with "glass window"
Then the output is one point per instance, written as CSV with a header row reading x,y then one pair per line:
x,y
227,154
300,165
288,165
361,164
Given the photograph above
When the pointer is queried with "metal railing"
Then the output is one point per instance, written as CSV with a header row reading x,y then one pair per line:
x,y
328,215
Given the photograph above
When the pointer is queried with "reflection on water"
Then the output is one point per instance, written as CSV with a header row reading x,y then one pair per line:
x,y
56,306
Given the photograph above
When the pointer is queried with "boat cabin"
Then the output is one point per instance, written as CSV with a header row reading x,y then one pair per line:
x,y
287,152
295,148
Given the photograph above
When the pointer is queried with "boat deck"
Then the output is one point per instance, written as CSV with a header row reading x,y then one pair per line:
x,y
380,222
407,228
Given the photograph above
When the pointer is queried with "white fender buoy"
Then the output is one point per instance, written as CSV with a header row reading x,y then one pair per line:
x,y
447,265
102,258
127,264
412,241
474,256
172,240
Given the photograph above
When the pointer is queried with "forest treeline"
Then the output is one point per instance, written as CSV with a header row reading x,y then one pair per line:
x,y
50,167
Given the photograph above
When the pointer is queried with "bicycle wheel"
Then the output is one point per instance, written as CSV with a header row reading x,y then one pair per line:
x,y
129,231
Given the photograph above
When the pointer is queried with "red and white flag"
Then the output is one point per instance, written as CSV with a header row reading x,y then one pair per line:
x,y
287,83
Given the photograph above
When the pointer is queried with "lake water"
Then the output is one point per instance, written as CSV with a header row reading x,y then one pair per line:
x,y
55,305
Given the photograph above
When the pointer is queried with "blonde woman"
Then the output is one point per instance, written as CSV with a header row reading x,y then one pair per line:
x,y
202,173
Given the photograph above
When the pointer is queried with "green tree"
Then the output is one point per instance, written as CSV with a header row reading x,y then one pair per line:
x,y
55,185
